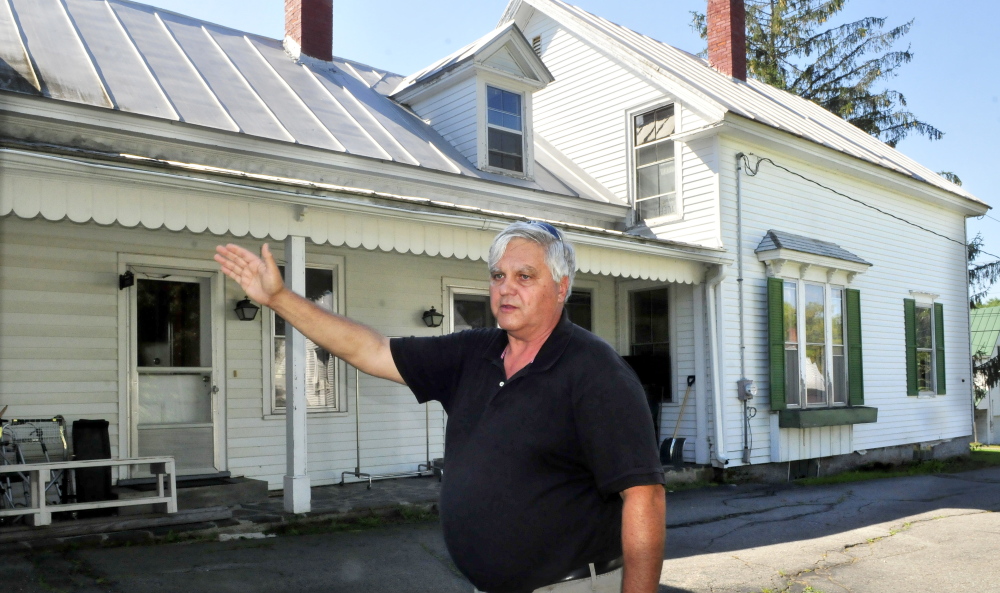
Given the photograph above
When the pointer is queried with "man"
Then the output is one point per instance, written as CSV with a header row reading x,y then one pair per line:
x,y
554,481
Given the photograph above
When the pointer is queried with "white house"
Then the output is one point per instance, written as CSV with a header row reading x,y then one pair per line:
x,y
725,230
985,329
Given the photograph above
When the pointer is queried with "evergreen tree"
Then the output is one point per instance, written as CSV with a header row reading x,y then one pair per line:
x,y
837,67
981,277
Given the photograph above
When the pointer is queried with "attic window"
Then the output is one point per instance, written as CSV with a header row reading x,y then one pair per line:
x,y
536,45
504,130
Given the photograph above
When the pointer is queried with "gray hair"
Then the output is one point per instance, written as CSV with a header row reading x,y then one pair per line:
x,y
560,257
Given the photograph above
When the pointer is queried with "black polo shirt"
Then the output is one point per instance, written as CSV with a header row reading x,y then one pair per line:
x,y
534,463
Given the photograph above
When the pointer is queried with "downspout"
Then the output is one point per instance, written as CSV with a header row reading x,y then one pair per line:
x,y
712,284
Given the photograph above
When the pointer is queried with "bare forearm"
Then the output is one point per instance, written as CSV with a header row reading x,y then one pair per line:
x,y
643,535
358,344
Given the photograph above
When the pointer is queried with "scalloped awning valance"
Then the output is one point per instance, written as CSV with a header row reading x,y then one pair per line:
x,y
65,189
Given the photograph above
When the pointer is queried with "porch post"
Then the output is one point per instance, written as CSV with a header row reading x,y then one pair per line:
x,y
298,495
699,297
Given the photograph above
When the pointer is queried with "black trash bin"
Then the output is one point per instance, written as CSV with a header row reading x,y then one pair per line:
x,y
93,484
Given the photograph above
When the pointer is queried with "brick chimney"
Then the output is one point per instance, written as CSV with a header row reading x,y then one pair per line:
x,y
727,37
309,28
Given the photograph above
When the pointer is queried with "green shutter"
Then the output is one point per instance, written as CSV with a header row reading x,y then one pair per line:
x,y
939,346
776,341
855,365
910,324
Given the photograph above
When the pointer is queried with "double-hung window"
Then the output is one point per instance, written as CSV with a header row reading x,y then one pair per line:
x,y
653,160
505,130
811,335
322,368
924,329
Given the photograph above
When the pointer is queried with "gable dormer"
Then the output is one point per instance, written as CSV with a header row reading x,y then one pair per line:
x,y
479,99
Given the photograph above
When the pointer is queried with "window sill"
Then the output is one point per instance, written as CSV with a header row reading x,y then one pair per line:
x,y
815,418
505,173
309,414
661,220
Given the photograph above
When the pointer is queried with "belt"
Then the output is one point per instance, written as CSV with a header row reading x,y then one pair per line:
x,y
599,568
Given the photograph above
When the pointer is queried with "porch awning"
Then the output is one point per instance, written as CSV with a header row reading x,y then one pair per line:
x,y
58,188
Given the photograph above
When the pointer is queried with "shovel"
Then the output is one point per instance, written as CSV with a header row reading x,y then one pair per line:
x,y
672,449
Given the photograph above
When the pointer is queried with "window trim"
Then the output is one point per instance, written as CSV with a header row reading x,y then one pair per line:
x,y
928,300
335,263
632,184
459,286
486,79
931,351
624,341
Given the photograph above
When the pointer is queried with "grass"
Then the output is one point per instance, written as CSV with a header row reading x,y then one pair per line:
x,y
980,457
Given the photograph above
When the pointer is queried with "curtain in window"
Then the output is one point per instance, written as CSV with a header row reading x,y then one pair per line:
x,y
783,369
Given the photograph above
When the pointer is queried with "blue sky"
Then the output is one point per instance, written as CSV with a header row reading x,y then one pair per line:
x,y
951,83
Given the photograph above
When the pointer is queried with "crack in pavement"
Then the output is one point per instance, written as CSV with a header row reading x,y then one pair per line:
x,y
826,570
824,508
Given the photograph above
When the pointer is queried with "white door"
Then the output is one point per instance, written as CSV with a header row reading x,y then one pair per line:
x,y
175,393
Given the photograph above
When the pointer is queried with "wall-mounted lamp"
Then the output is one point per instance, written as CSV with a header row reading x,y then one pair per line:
x,y
245,310
433,318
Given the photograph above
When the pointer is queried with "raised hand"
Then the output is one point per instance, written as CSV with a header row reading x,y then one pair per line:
x,y
259,276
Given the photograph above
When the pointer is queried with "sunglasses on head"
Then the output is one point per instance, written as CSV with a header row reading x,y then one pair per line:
x,y
548,227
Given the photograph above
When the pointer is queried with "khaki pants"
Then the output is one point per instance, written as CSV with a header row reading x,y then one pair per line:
x,y
609,582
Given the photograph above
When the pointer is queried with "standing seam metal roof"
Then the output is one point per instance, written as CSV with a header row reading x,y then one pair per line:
x,y
130,57
985,329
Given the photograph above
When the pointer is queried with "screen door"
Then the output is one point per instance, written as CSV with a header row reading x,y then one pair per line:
x,y
174,381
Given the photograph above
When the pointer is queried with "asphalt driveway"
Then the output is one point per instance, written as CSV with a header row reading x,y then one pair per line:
x,y
917,534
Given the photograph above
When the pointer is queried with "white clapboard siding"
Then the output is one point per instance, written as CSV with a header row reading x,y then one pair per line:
x,y
699,164
683,355
582,113
904,258
58,337
453,114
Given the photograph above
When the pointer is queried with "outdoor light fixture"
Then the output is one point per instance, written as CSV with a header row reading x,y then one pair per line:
x,y
433,318
245,310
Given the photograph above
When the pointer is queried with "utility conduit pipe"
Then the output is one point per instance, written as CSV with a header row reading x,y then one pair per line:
x,y
713,284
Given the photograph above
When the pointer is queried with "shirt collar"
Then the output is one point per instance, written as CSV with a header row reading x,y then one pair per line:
x,y
550,352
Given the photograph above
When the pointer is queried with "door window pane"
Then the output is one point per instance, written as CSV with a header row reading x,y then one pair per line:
x,y
650,327
175,398
473,311
169,324
578,306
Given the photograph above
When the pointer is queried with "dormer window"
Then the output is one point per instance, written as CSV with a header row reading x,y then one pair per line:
x,y
655,194
505,130
479,99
